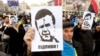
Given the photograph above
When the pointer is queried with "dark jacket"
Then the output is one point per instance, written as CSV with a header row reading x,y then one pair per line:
x,y
16,40
96,34
85,37
96,37
77,45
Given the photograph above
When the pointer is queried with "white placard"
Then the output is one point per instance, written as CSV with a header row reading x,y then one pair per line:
x,y
88,20
47,22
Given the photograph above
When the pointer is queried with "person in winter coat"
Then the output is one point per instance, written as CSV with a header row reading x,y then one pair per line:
x,y
71,47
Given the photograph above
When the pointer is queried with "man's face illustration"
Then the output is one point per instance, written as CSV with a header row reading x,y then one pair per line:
x,y
45,27
88,17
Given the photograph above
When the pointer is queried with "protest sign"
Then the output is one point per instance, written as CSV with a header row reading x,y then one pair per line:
x,y
88,20
47,21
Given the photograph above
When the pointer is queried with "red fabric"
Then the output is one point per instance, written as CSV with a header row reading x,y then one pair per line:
x,y
57,2
94,5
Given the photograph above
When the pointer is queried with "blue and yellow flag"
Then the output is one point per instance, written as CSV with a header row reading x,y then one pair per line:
x,y
68,50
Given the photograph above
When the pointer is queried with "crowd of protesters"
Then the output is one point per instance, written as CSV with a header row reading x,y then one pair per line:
x,y
89,39
14,44
86,42
12,33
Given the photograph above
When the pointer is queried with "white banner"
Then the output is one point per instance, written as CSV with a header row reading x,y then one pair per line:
x,y
88,20
47,22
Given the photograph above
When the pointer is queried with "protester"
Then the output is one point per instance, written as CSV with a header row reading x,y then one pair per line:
x,y
15,41
97,38
23,27
85,37
6,24
6,21
69,44
2,27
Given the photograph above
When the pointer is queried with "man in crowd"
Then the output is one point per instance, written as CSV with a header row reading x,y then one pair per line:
x,y
85,37
70,48
97,38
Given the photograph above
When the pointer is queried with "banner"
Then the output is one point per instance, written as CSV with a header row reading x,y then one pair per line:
x,y
47,22
13,3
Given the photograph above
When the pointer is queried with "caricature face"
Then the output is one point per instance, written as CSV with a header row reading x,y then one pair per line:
x,y
45,27
86,22
13,20
87,17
